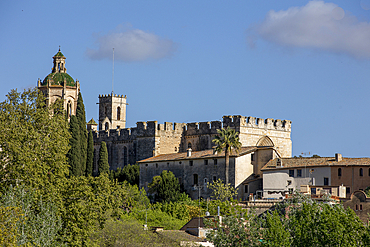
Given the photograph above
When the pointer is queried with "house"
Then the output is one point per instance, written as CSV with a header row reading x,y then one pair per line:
x,y
284,175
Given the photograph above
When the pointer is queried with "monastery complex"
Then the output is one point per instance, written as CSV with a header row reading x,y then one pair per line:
x,y
263,167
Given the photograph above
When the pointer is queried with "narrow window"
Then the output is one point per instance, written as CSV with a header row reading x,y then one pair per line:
x,y
339,172
360,207
106,126
290,191
205,162
189,145
195,179
215,161
361,172
125,156
205,181
291,173
356,207
348,190
156,165
175,149
246,189
118,113
190,162
299,173
214,178
326,181
59,67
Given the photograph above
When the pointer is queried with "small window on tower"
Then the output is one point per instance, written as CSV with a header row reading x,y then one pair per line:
x,y
118,113
189,145
106,126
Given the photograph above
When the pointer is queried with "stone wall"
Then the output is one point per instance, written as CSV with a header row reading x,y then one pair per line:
x,y
149,139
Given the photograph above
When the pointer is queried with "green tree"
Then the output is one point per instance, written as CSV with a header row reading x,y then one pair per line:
x,y
129,173
82,135
221,191
103,164
166,187
75,150
34,143
90,155
227,140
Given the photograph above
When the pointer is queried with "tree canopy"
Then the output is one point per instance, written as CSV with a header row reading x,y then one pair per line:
x,y
166,187
34,142
103,164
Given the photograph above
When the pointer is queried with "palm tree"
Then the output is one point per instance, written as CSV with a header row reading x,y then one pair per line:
x,y
227,139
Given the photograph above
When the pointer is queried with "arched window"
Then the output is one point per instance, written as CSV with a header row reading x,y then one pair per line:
x,y
106,126
361,172
339,172
189,145
118,113
125,156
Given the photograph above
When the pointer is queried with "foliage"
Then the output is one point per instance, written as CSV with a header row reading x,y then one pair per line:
x,y
297,222
221,191
103,164
82,134
37,220
34,143
9,216
129,232
227,139
75,148
90,155
166,187
129,173
87,203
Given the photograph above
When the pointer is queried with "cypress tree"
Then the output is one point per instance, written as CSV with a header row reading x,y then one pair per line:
x,y
81,117
73,154
90,155
103,164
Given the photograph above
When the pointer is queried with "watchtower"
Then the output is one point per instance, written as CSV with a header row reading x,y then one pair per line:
x,y
112,111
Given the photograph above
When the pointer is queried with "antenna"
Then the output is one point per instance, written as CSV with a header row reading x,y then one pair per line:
x,y
113,72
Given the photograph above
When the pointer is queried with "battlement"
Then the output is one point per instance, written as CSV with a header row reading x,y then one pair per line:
x,y
111,95
142,129
268,123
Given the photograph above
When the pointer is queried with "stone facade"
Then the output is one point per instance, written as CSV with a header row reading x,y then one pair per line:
x,y
199,167
148,139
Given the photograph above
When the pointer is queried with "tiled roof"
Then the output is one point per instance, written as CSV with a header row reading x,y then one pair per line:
x,y
205,154
314,162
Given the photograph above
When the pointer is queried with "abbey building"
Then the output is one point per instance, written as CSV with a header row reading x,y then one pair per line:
x,y
184,148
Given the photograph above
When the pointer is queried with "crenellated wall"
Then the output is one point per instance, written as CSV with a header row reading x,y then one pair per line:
x,y
148,139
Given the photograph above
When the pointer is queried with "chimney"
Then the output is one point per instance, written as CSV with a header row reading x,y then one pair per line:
x,y
338,157
189,152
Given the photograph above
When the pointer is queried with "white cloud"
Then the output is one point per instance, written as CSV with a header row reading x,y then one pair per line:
x,y
318,25
132,46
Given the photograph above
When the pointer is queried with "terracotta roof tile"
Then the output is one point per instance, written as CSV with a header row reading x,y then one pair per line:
x,y
196,155
311,162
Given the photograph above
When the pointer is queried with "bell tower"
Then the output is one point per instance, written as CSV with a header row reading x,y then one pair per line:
x,y
112,111
58,85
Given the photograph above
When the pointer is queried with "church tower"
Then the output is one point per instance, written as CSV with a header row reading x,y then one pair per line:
x,y
112,111
59,85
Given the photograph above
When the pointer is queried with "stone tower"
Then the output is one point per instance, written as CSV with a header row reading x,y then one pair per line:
x,y
59,85
112,111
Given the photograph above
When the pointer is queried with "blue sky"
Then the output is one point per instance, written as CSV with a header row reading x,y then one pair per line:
x,y
193,61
